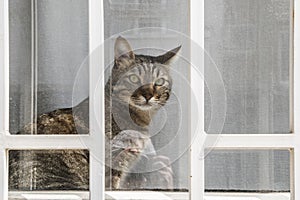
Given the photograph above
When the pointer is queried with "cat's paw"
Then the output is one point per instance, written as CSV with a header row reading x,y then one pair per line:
x,y
130,141
161,175
126,148
115,182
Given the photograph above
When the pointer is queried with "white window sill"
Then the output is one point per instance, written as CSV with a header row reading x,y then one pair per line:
x,y
144,195
49,195
247,196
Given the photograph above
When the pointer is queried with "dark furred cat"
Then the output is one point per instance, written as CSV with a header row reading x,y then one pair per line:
x,y
138,86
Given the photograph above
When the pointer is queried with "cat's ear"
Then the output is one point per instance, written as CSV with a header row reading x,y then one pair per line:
x,y
169,57
123,50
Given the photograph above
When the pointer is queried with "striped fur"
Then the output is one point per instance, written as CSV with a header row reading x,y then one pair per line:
x,y
138,86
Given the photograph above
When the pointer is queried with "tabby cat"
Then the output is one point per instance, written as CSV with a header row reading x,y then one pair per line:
x,y
139,86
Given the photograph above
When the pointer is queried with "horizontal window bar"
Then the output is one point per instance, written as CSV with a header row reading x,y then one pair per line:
x,y
83,141
46,141
146,195
281,141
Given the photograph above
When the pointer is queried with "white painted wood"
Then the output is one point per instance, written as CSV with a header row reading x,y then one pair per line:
x,y
3,174
96,99
144,195
56,141
4,62
139,195
197,87
97,170
53,195
297,100
278,141
46,141
247,196
4,94
296,67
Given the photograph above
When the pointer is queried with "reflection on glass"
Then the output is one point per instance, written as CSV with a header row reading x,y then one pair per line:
x,y
44,63
249,41
165,168
45,59
247,171
34,170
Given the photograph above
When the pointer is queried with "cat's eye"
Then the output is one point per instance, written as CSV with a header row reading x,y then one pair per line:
x,y
134,78
159,82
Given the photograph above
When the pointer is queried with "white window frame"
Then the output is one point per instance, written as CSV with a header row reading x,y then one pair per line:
x,y
7,141
251,141
96,36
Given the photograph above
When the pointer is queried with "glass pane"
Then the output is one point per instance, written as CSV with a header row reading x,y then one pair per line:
x,y
36,170
48,44
249,41
162,165
262,171
44,63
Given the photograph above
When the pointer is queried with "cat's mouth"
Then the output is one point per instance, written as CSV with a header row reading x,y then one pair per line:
x,y
144,104
133,150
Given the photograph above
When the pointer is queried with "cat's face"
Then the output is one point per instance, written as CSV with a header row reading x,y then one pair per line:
x,y
141,81
145,86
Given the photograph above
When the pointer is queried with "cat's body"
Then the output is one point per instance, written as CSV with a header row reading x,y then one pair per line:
x,y
139,85
52,169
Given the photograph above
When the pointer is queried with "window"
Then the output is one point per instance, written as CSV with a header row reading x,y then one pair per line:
x,y
168,129
250,43
228,131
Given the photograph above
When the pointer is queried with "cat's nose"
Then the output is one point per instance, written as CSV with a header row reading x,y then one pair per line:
x,y
147,91
147,96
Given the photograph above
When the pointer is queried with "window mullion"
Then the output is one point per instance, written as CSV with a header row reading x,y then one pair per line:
x,y
4,96
4,39
97,183
3,175
96,99
296,68
197,85
296,89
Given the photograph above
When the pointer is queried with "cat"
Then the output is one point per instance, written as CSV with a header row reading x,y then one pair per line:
x,y
139,85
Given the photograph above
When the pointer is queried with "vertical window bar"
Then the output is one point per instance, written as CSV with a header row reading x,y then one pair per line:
x,y
294,158
96,99
4,66
3,174
196,157
292,172
4,97
296,78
